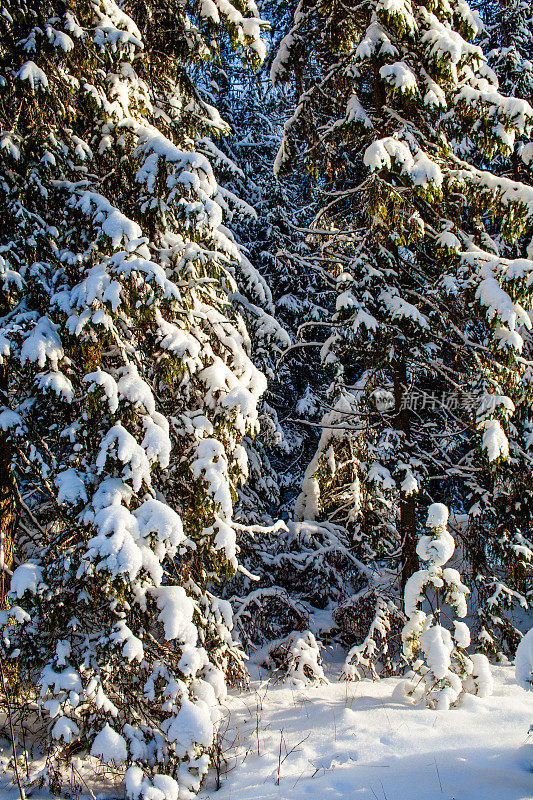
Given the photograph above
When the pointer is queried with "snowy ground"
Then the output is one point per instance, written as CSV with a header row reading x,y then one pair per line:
x,y
354,741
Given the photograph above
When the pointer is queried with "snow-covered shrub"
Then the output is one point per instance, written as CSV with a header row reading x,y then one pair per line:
x,y
442,669
524,677
314,560
524,662
266,614
297,659
375,624
301,566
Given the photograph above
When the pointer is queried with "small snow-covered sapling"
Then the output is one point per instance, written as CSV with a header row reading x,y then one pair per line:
x,y
524,676
442,670
524,662
297,659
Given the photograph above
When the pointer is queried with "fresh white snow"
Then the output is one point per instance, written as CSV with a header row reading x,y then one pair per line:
x,y
340,740
359,741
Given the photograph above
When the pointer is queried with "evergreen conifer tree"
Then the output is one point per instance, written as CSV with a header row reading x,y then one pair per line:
x,y
430,390
280,287
507,39
127,384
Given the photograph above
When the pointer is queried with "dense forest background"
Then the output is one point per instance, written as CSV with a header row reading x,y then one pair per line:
x,y
266,356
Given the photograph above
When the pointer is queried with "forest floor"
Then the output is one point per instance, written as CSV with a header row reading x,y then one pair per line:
x,y
358,741
347,741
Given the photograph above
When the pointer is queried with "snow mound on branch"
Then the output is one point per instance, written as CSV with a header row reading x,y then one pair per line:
x,y
109,746
438,550
481,681
65,729
42,343
400,76
390,152
176,613
70,487
25,578
33,74
437,516
192,723
438,646
495,442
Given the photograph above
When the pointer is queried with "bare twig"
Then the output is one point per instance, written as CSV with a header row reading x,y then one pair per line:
x,y
438,774
279,756
91,793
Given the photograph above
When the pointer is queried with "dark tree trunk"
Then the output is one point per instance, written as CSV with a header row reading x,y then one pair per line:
x,y
409,558
7,498
379,91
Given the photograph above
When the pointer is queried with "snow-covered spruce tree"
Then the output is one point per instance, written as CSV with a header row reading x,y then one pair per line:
x,y
127,384
442,669
308,562
236,94
274,233
507,39
430,390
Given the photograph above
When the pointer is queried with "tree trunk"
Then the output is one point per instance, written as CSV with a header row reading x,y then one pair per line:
x,y
409,558
379,91
7,501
